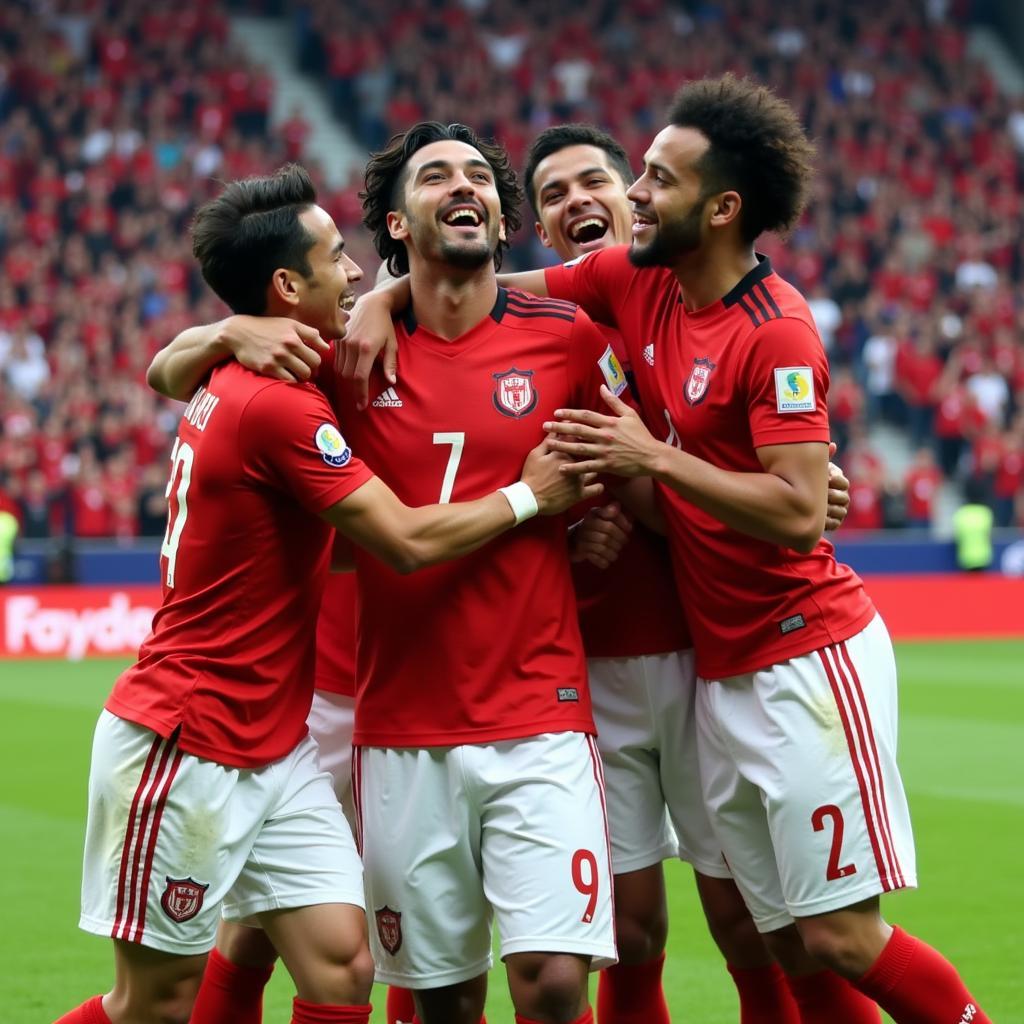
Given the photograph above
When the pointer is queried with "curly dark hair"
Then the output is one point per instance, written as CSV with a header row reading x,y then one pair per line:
x,y
558,137
385,185
758,148
249,230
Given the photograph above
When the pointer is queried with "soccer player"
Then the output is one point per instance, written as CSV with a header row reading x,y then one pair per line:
x,y
640,666
205,793
478,781
796,711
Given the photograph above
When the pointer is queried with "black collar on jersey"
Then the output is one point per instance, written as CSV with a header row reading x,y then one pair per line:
x,y
497,312
759,273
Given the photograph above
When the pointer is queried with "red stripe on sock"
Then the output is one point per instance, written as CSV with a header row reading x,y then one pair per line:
x,y
858,771
886,826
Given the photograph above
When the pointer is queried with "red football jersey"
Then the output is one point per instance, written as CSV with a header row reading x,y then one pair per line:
x,y
336,636
486,647
720,382
230,659
631,608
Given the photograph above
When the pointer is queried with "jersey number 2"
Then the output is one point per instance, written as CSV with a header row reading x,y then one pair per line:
x,y
457,440
182,455
833,871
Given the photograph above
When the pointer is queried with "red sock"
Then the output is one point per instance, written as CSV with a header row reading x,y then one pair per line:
x,y
400,1006
230,992
322,1013
764,995
632,994
586,1017
827,998
90,1012
916,984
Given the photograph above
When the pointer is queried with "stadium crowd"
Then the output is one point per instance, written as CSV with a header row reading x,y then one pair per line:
x,y
115,119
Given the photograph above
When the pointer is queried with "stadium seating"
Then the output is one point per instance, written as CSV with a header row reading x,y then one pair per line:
x,y
115,119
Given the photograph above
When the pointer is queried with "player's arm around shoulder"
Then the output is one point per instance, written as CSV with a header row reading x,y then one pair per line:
x,y
407,538
274,347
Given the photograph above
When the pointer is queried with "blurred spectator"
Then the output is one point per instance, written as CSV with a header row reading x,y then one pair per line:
x,y
845,406
972,530
920,487
990,390
1008,486
918,370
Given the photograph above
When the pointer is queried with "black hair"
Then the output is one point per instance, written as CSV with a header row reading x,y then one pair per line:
x,y
558,137
385,185
757,148
250,230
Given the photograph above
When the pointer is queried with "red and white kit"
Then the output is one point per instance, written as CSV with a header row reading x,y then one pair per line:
x,y
489,651
643,687
745,372
333,712
204,739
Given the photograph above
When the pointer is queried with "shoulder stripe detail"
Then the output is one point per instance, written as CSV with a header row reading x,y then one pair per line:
x,y
768,298
523,300
761,308
742,303
540,314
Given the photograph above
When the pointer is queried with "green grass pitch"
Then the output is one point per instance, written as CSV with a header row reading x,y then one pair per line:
x,y
962,751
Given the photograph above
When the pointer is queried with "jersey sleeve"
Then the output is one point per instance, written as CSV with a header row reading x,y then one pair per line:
x,y
594,361
786,380
290,440
596,281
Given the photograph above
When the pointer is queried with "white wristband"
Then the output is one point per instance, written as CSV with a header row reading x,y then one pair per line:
x,y
522,500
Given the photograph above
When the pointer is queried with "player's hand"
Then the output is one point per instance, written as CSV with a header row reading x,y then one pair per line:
x,y
370,333
600,536
618,443
274,346
554,490
838,494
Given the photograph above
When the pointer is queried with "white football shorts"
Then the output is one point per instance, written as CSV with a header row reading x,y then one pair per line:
x,y
331,720
452,836
798,763
173,839
646,733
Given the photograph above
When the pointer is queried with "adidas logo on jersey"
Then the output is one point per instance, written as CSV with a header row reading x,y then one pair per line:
x,y
649,354
387,399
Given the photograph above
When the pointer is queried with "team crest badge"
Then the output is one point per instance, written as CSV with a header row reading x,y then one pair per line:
x,y
514,393
697,384
183,898
389,929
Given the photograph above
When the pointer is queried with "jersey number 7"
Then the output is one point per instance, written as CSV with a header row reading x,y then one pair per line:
x,y
457,440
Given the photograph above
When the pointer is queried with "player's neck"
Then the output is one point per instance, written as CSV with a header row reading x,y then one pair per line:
x,y
449,303
705,276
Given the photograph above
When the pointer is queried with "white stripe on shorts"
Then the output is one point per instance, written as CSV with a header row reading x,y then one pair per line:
x,y
141,837
860,738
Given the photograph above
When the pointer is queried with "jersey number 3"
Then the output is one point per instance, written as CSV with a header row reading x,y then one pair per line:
x,y
182,456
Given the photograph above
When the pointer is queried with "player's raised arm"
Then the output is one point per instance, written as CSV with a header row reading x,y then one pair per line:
x,y
410,538
269,345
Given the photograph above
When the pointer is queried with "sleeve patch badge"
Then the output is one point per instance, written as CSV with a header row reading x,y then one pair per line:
x,y
331,445
613,373
794,389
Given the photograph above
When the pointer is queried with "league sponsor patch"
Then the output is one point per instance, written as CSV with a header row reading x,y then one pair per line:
x,y
568,693
514,393
183,898
614,375
696,386
331,445
389,929
794,389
